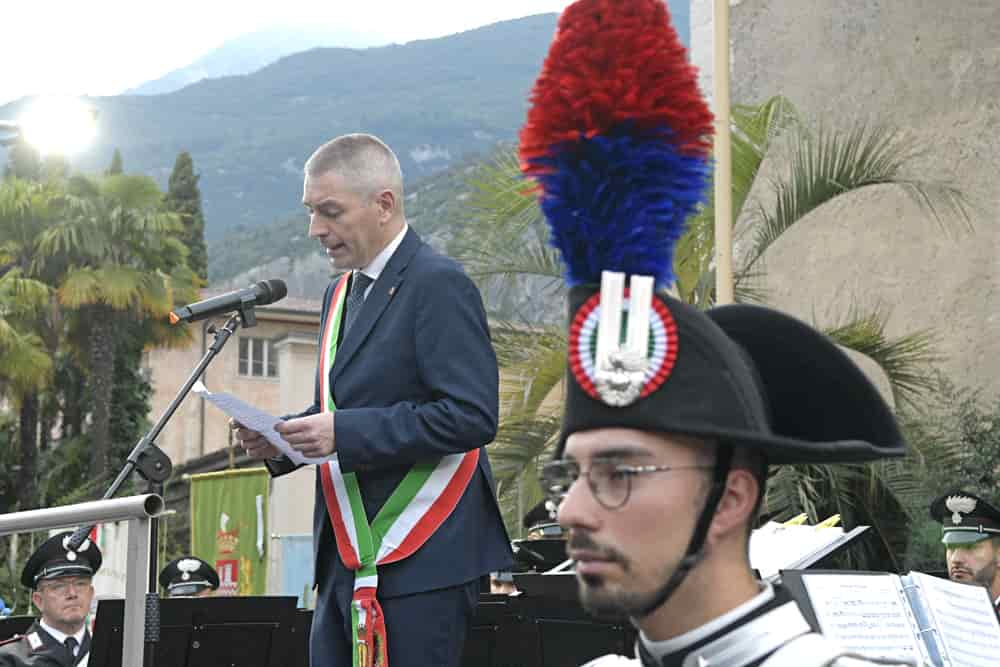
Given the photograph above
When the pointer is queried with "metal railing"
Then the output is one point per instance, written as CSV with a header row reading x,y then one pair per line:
x,y
138,510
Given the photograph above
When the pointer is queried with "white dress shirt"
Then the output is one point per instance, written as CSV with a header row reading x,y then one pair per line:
x,y
61,636
377,265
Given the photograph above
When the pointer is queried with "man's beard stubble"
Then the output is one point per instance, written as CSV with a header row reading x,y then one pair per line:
x,y
595,596
984,576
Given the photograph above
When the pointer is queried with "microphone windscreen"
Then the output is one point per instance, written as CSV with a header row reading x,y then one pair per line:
x,y
274,290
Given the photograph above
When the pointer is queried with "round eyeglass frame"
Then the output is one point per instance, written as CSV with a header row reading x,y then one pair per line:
x,y
570,470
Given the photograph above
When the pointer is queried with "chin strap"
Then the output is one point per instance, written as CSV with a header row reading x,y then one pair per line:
x,y
696,547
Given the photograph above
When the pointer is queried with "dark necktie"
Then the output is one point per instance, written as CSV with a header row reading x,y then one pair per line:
x,y
71,645
355,299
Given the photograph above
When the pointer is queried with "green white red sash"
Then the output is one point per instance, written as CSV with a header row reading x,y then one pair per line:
x,y
422,501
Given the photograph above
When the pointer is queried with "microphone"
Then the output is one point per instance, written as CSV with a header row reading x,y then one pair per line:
x,y
260,294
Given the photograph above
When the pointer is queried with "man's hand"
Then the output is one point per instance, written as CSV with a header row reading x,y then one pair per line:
x,y
255,445
312,435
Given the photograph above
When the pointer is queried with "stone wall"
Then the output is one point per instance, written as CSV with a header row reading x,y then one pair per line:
x,y
931,69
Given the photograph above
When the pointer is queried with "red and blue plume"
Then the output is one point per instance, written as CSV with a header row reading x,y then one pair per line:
x,y
617,139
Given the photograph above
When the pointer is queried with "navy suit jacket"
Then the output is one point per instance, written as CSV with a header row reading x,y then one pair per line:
x,y
415,379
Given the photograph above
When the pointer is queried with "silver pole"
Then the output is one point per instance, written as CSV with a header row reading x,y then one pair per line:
x,y
97,511
136,509
136,583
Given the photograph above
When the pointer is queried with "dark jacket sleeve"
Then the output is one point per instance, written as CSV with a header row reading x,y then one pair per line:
x,y
457,366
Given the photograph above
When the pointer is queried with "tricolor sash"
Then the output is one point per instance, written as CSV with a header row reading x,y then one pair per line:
x,y
423,500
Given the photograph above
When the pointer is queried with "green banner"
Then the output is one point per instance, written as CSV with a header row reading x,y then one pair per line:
x,y
229,527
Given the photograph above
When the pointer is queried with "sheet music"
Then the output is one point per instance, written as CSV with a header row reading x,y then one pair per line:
x,y
965,618
864,613
255,419
775,547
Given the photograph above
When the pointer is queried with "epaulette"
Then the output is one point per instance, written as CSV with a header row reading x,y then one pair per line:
x,y
34,641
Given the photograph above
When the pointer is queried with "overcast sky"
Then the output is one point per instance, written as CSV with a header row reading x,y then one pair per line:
x,y
103,47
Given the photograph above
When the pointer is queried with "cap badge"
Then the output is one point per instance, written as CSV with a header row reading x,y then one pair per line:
x,y
70,554
959,505
612,371
188,566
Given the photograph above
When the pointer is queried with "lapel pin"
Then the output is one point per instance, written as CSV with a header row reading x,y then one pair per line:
x,y
392,291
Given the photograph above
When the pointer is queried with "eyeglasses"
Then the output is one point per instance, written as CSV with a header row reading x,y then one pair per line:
x,y
609,481
62,586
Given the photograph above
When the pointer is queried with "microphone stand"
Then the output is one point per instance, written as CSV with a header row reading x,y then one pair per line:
x,y
155,467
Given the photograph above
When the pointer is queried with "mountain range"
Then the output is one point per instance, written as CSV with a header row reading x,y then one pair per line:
x,y
439,103
434,101
248,53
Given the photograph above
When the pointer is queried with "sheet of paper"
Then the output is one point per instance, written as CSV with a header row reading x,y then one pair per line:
x,y
255,419
864,613
965,619
776,547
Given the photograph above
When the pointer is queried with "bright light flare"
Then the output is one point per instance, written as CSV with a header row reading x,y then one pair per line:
x,y
59,125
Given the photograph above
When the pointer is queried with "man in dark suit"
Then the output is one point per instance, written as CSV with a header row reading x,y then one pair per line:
x,y
406,397
60,580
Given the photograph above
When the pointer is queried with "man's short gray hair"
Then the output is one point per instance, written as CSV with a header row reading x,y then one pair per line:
x,y
364,160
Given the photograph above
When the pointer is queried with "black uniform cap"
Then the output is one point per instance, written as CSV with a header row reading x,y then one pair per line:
x,y
54,559
965,518
188,575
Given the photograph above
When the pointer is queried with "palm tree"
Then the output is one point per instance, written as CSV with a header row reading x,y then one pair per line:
x,y
507,251
23,359
26,316
25,369
125,263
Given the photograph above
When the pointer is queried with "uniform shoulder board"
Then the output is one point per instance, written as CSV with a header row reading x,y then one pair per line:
x,y
35,641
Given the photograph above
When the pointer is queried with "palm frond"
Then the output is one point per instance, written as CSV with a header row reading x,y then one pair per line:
x,y
754,129
525,388
702,293
25,362
518,497
121,285
81,286
131,191
517,258
21,295
829,164
521,439
529,422
504,244
502,199
155,297
907,360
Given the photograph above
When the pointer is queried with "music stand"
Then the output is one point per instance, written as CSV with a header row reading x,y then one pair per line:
x,y
573,642
556,586
482,640
14,625
206,632
301,627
